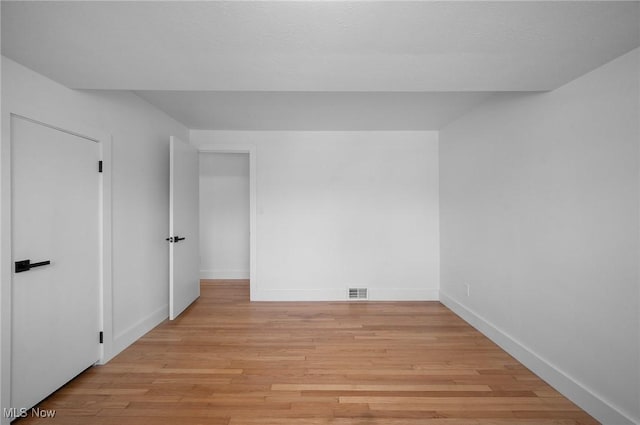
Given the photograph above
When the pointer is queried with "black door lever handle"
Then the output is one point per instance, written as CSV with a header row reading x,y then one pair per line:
x,y
175,239
26,265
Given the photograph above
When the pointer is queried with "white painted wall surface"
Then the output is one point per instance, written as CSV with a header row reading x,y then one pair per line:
x,y
540,217
340,209
224,216
140,185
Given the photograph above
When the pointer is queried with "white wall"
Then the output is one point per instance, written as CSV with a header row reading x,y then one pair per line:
x,y
540,217
340,209
224,216
140,199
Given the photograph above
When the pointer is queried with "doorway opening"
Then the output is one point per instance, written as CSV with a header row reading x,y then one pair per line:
x,y
225,205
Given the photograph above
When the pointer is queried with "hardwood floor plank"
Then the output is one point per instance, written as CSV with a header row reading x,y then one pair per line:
x,y
365,387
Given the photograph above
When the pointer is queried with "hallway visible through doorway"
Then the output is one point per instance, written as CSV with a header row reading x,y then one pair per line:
x,y
224,215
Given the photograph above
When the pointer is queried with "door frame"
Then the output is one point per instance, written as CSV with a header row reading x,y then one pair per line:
x,y
105,301
251,150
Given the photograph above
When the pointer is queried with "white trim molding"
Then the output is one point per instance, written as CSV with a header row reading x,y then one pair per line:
x,y
130,335
340,294
251,150
568,386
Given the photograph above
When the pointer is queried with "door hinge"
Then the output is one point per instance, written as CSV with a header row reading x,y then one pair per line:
x,y
99,166
101,337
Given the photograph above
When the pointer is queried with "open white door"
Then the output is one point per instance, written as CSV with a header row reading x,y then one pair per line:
x,y
184,244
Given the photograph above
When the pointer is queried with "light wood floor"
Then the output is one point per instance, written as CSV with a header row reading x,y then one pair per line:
x,y
230,362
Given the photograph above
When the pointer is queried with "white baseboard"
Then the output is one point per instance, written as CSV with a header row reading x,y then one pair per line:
x,y
403,294
375,294
224,274
130,335
566,385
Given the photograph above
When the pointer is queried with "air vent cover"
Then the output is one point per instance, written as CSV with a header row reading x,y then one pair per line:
x,y
358,294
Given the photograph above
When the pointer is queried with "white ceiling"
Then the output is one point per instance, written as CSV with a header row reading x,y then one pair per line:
x,y
235,64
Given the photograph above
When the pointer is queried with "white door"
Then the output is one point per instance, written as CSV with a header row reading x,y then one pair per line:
x,y
184,221
55,310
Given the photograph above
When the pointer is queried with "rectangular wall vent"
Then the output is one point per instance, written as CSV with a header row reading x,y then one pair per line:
x,y
358,294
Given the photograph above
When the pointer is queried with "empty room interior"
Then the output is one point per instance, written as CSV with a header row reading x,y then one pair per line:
x,y
320,212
